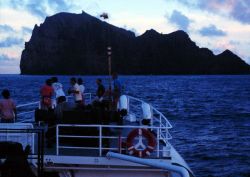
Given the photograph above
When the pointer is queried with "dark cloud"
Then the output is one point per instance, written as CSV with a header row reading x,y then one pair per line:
x,y
60,5
37,8
6,28
211,30
239,9
11,41
180,20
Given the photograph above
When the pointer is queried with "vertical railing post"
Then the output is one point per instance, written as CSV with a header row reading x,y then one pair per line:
x,y
90,98
100,140
158,143
160,125
57,140
42,151
128,104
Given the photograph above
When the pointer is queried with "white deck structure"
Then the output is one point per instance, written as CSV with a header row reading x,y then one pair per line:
x,y
70,160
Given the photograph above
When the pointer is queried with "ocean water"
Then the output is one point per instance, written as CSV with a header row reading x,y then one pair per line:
x,y
210,114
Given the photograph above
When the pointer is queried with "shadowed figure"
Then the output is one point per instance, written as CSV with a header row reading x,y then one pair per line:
x,y
16,164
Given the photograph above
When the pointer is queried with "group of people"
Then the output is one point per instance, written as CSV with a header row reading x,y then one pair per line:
x,y
53,90
110,95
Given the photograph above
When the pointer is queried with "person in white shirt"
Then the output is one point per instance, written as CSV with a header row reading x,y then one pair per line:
x,y
58,90
75,90
82,88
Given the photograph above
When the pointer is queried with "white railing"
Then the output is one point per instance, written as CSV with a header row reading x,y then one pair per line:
x,y
26,111
158,119
121,133
159,125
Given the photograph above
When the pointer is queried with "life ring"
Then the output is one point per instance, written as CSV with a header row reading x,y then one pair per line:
x,y
144,150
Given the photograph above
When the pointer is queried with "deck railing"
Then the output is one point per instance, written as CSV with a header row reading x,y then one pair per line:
x,y
26,111
159,125
119,134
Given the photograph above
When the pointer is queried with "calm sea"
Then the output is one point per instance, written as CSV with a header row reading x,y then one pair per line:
x,y
210,114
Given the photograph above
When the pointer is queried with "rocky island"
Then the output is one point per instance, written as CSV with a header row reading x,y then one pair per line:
x,y
69,43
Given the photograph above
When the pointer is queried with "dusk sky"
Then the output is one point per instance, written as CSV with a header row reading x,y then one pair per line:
x,y
215,24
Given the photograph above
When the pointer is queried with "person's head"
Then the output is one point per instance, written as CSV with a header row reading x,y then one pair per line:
x,y
98,81
114,75
73,81
48,82
54,79
80,81
6,94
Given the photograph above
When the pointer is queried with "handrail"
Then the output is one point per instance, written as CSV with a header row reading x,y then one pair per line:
x,y
27,104
38,102
100,137
107,126
168,124
163,165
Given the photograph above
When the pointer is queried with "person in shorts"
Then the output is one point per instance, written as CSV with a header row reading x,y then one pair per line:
x,y
58,90
75,90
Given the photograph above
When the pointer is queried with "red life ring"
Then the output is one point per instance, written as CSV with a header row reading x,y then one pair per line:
x,y
145,150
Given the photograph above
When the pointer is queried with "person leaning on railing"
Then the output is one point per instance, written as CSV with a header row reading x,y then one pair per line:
x,y
117,89
7,108
46,93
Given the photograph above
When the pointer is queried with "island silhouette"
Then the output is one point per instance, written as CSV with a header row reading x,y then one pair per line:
x,y
68,43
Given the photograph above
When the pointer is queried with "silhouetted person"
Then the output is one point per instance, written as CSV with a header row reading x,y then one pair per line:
x,y
7,108
117,89
16,164
100,90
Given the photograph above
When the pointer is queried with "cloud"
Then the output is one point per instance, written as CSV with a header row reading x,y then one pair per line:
x,y
241,11
16,4
6,28
8,65
211,30
60,5
37,8
4,57
26,30
41,8
11,41
180,20
131,29
236,9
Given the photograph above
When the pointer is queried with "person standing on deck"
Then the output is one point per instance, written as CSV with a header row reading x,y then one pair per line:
x,y
100,90
46,92
7,108
82,89
58,89
75,90
117,89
